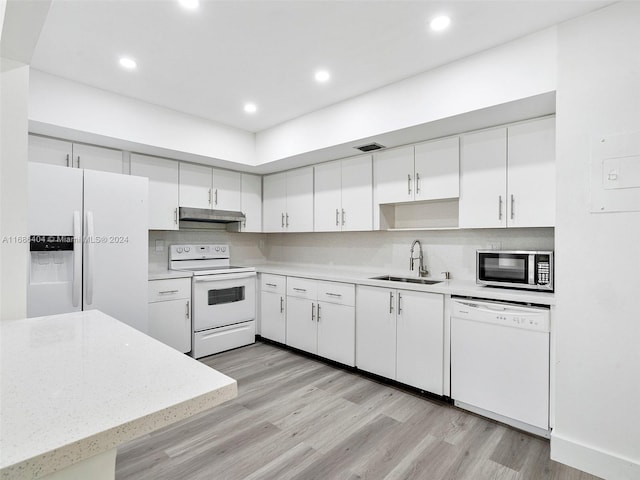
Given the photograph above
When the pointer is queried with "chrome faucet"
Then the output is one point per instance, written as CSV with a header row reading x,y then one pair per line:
x,y
422,271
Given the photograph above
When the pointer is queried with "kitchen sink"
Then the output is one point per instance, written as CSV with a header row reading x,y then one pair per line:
x,y
422,281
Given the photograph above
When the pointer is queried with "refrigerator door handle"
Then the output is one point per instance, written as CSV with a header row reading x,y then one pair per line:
x,y
77,259
89,259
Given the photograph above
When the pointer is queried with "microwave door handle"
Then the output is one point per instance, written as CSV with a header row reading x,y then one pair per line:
x,y
532,267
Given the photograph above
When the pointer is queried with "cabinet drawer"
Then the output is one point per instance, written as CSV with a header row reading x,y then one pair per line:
x,y
169,289
302,288
334,292
273,283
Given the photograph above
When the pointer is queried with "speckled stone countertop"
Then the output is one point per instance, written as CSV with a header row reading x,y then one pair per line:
x,y
76,385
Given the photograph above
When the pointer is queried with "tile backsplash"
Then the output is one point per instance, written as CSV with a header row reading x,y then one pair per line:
x,y
446,250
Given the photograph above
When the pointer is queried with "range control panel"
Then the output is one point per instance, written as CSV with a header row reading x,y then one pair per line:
x,y
198,252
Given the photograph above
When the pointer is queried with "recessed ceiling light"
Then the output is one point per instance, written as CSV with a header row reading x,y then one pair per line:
x,y
127,63
322,76
190,4
250,108
440,23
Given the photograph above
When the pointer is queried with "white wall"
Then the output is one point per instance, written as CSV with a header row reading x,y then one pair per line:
x,y
597,255
245,247
388,252
60,107
517,70
14,85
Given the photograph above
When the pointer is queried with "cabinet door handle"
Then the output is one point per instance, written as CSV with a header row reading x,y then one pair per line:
x,y
281,304
390,302
409,184
337,220
318,312
513,204
399,303
313,311
499,207
188,309
67,159
209,196
417,183
216,197
282,219
287,222
78,161
164,292
343,217
175,216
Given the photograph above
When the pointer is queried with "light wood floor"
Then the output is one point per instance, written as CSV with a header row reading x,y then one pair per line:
x,y
298,418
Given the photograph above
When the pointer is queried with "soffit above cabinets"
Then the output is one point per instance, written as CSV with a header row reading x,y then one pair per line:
x,y
209,62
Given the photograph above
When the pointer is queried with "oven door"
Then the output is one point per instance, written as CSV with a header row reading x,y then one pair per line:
x,y
223,299
505,269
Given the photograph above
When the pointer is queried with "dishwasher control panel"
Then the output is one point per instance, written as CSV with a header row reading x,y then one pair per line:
x,y
505,314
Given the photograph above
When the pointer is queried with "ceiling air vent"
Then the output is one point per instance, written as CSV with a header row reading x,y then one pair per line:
x,y
369,147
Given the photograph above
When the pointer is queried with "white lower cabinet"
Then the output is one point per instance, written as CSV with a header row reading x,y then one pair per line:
x,y
400,335
273,307
321,318
170,312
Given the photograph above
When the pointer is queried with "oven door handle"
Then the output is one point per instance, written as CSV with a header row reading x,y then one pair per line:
x,y
223,276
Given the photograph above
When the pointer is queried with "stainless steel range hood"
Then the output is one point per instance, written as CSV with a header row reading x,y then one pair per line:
x,y
206,215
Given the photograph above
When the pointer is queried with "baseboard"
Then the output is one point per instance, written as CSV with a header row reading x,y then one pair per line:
x,y
592,460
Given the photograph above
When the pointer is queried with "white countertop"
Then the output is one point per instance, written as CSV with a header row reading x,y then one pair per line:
x,y
450,287
78,384
164,274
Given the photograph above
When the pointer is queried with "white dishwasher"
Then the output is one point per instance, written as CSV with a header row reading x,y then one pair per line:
x,y
500,362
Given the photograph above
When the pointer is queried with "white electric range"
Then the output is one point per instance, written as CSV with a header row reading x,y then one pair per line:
x,y
223,298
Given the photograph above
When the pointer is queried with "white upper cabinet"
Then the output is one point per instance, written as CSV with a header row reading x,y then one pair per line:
x,y
299,214
531,174
274,202
226,190
437,169
163,189
328,197
207,187
483,179
394,175
50,150
251,202
427,171
507,176
98,158
67,154
288,201
343,195
195,186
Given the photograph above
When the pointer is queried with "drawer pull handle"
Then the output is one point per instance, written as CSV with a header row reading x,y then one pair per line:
x,y
300,289
271,285
164,292
333,294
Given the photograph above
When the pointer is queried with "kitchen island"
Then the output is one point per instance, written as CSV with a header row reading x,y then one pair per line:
x,y
75,386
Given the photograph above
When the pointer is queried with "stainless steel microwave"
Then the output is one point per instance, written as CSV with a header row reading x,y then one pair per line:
x,y
515,269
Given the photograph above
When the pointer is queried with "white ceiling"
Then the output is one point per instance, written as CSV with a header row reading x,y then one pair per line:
x,y
209,62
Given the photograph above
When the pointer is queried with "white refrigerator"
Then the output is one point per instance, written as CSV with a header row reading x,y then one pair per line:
x,y
88,243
